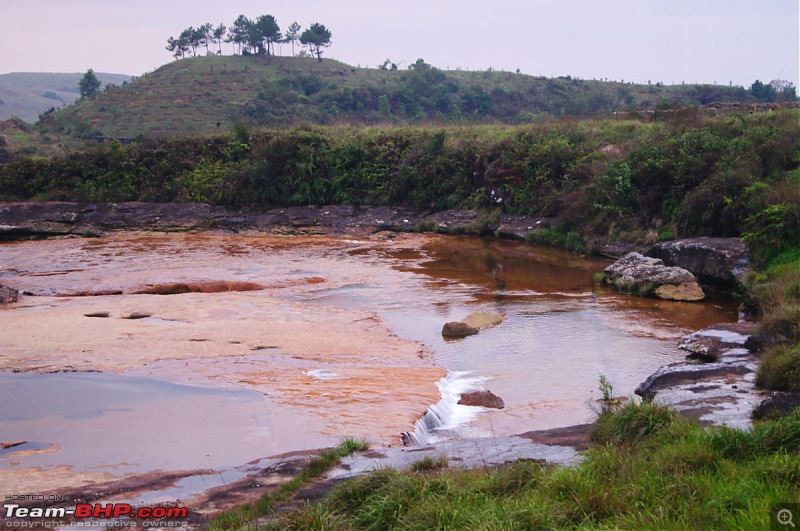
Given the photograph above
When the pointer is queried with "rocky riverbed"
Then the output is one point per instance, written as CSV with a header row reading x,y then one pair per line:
x,y
295,319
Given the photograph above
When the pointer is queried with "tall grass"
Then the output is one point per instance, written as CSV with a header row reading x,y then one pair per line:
x,y
648,469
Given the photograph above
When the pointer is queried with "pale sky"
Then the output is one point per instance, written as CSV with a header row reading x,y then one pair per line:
x,y
672,41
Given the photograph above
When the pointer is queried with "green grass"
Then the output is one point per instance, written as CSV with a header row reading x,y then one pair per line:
x,y
194,94
648,469
247,514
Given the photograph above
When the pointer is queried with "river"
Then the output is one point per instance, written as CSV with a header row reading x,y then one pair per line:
x,y
269,344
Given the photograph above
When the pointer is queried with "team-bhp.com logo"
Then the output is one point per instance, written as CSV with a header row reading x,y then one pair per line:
x,y
89,514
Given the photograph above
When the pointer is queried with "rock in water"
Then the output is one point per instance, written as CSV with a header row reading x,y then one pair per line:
x,y
458,329
481,320
649,277
482,399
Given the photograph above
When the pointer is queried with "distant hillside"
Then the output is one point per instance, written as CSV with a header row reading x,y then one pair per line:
x,y
207,94
26,95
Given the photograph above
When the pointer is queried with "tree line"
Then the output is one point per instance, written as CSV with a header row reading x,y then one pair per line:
x,y
250,37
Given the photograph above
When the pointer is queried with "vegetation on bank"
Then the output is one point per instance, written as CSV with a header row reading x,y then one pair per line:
x,y
601,180
245,514
648,468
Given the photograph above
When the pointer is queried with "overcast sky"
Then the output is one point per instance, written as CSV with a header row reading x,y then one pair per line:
x,y
672,41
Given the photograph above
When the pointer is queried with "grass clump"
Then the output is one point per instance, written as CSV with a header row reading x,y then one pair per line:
x,y
649,468
776,293
246,514
428,464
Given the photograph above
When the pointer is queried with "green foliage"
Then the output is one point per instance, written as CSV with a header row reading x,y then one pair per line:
x,y
89,85
651,470
316,37
190,96
780,367
718,177
428,464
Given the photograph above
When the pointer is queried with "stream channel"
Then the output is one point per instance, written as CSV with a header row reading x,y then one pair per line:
x,y
267,345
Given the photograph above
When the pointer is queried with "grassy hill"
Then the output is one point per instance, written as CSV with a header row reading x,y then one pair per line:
x,y
26,95
205,95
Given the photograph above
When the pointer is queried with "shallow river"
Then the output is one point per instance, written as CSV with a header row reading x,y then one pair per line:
x,y
276,344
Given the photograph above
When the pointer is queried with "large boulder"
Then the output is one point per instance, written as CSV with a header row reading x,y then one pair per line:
x,y
723,260
641,275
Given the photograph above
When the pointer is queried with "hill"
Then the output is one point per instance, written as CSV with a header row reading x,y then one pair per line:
x,y
26,95
204,95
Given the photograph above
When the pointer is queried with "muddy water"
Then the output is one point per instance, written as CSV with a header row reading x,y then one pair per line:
x,y
328,338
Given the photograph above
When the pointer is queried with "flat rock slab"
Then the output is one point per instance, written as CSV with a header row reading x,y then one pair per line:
x,y
459,453
716,386
24,220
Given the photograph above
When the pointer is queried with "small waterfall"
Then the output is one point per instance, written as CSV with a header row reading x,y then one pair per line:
x,y
446,415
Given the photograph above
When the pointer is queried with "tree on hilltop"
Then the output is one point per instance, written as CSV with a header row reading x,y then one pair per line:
x,y
240,33
268,32
89,85
217,35
292,34
316,37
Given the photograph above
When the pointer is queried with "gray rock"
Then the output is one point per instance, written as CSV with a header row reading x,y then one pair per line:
x,y
723,260
718,392
637,274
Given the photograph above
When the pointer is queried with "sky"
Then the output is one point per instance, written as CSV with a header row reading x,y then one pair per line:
x,y
671,41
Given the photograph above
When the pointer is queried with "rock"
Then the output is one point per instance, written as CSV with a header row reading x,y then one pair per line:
x,y
138,315
777,404
718,386
97,314
482,320
8,294
637,274
482,399
722,260
458,329
764,341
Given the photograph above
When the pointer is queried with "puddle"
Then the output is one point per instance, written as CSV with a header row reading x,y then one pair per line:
x,y
113,423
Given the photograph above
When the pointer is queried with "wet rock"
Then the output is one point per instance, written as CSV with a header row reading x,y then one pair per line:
x,y
138,315
8,294
717,384
637,274
458,329
707,345
518,227
723,260
203,287
483,320
482,399
777,404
